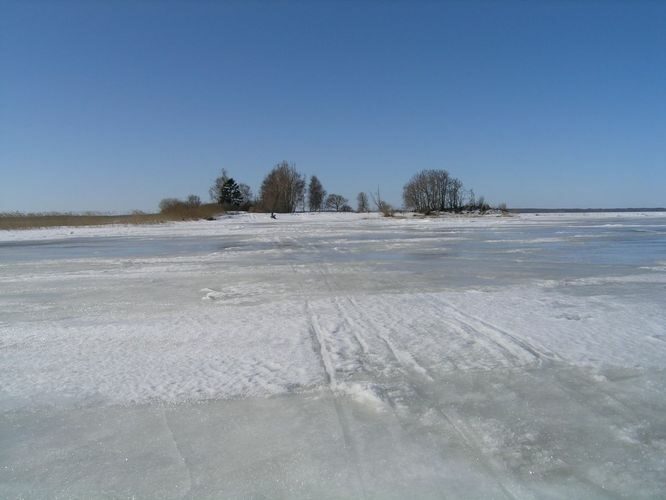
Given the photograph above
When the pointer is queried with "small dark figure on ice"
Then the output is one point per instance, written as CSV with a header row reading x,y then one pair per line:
x,y
273,216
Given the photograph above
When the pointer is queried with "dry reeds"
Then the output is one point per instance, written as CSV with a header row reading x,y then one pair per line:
x,y
184,211
17,220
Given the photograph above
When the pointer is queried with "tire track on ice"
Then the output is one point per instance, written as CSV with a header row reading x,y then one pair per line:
x,y
319,347
319,344
495,334
580,394
346,319
541,355
413,389
403,357
188,489
397,393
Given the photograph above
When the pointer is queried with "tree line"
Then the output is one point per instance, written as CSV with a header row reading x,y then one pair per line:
x,y
286,190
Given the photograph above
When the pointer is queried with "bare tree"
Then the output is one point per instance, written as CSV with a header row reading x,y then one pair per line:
x,y
193,201
303,200
382,206
282,189
316,194
482,205
456,195
300,196
246,196
471,203
335,201
362,203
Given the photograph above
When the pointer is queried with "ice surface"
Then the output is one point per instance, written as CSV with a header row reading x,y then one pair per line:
x,y
329,356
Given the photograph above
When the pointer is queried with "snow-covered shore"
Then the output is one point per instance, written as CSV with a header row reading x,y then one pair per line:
x,y
205,228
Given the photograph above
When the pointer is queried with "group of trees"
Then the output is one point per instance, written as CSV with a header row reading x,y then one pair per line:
x,y
318,199
229,194
284,190
436,191
433,191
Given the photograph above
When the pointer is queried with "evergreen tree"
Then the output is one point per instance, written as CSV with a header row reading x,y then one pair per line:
x,y
230,194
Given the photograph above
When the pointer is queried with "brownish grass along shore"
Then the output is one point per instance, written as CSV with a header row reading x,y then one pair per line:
x,y
37,220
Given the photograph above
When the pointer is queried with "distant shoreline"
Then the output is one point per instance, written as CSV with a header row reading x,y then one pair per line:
x,y
581,210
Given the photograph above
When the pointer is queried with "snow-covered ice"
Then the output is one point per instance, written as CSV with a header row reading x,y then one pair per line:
x,y
336,356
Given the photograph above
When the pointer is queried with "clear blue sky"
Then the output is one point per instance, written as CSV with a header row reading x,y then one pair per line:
x,y
114,105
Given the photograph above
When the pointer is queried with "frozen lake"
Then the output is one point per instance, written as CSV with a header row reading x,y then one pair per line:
x,y
336,356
